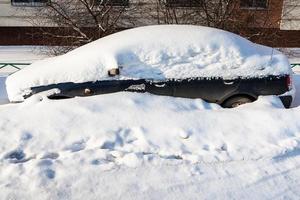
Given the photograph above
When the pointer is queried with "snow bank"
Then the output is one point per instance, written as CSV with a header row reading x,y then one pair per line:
x,y
157,52
189,129
22,54
293,54
3,94
142,146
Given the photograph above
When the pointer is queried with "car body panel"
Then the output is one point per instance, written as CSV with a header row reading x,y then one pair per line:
x,y
215,90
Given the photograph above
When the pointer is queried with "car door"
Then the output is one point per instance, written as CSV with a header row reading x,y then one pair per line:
x,y
165,88
209,89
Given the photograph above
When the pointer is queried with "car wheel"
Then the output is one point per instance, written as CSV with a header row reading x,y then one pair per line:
x,y
237,101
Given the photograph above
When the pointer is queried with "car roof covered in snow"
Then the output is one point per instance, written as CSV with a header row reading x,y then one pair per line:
x,y
154,52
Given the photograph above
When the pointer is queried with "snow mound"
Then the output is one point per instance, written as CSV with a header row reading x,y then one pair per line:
x,y
133,125
142,146
156,52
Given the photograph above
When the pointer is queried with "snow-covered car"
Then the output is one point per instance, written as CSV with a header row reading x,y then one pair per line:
x,y
175,60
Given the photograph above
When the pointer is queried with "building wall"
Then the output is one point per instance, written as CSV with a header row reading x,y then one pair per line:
x,y
291,15
11,16
18,16
267,18
16,25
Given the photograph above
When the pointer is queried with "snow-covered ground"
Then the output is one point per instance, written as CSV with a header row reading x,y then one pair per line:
x,y
3,93
20,54
293,55
141,146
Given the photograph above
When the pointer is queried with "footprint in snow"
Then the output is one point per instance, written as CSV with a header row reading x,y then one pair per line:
x,y
26,136
99,161
45,163
206,147
49,173
196,170
122,137
172,157
76,146
16,156
46,168
222,147
50,155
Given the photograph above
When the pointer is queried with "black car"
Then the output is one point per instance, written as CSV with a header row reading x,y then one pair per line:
x,y
172,60
227,93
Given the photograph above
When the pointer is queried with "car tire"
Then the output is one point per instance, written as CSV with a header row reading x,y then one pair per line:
x,y
237,101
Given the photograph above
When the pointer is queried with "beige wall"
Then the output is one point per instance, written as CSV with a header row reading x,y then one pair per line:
x,y
291,15
20,16
12,16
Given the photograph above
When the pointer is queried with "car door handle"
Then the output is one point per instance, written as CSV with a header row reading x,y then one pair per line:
x,y
228,82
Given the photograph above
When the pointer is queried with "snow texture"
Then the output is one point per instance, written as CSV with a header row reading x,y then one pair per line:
x,y
293,55
3,93
155,52
142,146
20,54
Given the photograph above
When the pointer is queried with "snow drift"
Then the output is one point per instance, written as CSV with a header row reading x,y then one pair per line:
x,y
189,129
141,146
156,52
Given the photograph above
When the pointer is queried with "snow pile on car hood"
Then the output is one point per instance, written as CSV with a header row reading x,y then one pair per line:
x,y
156,52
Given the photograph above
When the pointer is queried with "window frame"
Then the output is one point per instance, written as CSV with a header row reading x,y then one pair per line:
x,y
189,4
119,3
30,3
254,7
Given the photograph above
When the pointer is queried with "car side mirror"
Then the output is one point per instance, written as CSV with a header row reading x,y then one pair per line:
x,y
114,72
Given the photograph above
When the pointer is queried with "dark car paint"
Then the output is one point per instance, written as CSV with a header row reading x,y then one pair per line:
x,y
214,90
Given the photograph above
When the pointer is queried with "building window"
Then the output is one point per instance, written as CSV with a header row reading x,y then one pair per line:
x,y
262,4
114,2
184,3
29,2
